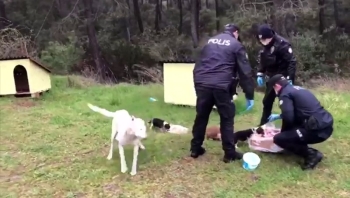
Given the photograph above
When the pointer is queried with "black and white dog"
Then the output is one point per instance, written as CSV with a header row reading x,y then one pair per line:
x,y
159,123
243,135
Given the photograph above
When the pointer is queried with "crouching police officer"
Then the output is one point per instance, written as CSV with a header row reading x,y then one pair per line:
x,y
276,57
305,121
213,74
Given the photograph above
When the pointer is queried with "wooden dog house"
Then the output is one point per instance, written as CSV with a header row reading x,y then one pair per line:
x,y
178,82
23,76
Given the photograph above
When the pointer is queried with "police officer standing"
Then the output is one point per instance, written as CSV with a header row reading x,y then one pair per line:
x,y
305,121
220,59
276,57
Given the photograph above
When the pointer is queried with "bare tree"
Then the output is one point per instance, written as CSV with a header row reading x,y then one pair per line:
x,y
157,17
179,2
194,22
321,18
137,14
93,44
336,13
62,8
217,14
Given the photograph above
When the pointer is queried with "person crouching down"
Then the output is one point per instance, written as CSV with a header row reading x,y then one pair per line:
x,y
304,121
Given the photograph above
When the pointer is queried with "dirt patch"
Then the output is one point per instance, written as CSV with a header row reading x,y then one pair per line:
x,y
24,103
11,178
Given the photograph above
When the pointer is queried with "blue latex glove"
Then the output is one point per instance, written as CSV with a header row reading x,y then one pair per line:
x,y
260,81
250,104
290,82
274,117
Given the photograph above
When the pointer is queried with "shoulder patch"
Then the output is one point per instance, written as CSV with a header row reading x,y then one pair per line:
x,y
272,49
290,50
281,102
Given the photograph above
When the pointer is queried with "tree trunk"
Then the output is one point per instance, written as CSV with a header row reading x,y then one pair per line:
x,y
194,24
179,2
217,14
336,13
137,14
321,17
198,3
127,21
277,24
128,3
207,4
62,8
157,12
93,44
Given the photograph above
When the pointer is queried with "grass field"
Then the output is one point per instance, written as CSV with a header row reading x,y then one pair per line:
x,y
56,147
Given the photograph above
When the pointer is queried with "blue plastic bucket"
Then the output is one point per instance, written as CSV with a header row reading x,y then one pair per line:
x,y
251,161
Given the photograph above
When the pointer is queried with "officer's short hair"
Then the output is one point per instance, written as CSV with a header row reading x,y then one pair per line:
x,y
277,79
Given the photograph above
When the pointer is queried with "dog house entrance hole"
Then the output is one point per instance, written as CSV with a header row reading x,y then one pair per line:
x,y
21,79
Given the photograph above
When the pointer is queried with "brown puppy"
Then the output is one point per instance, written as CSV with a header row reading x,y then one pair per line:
x,y
213,132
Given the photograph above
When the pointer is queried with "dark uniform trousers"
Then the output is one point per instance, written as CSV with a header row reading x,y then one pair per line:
x,y
297,140
268,100
206,99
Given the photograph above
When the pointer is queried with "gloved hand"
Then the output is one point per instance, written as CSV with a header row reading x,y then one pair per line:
x,y
260,81
250,104
274,117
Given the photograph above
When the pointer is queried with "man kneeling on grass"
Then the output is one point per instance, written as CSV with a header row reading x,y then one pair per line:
x,y
304,121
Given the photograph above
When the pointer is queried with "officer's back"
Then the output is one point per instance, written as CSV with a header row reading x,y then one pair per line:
x,y
214,68
306,105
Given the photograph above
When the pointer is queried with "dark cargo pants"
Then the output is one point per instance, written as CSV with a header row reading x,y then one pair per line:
x,y
297,140
268,100
206,99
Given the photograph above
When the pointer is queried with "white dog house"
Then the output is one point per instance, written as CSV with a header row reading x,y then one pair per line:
x,y
178,82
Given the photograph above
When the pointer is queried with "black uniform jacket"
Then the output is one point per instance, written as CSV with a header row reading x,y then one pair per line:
x,y
300,108
277,58
221,58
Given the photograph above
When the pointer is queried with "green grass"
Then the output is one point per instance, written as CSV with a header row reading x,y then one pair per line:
x,y
56,147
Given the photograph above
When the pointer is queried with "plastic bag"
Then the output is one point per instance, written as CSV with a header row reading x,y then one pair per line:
x,y
264,142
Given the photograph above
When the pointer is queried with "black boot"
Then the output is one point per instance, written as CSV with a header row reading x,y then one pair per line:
x,y
232,157
312,159
198,152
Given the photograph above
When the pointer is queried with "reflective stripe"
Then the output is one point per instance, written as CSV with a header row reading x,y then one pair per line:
x,y
299,133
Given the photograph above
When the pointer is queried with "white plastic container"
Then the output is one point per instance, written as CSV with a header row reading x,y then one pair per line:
x,y
251,161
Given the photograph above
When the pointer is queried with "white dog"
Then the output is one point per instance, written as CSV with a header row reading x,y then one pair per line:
x,y
126,130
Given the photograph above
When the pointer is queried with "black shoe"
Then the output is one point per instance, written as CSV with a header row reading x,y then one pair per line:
x,y
313,158
232,157
197,153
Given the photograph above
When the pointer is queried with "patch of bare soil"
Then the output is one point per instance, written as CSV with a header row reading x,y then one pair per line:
x,y
27,103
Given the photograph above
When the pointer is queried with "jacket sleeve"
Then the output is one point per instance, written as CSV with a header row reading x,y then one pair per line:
x,y
261,67
245,73
288,56
287,111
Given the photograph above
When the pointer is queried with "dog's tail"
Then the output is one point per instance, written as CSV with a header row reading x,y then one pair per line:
x,y
101,111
